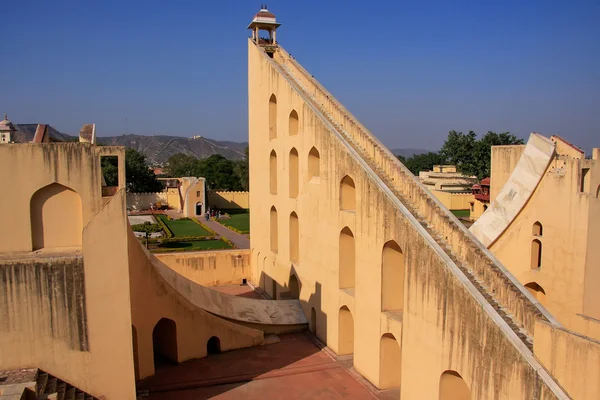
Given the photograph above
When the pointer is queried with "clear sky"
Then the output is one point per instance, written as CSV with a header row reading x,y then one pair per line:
x,y
409,70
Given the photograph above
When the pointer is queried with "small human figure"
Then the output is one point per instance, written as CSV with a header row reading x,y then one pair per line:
x,y
207,215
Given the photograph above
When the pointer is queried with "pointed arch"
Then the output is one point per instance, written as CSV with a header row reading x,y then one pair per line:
x,y
390,362
536,254
347,194
294,171
294,124
453,387
537,291
294,238
272,117
273,172
345,331
392,277
274,231
314,164
347,259
537,228
56,217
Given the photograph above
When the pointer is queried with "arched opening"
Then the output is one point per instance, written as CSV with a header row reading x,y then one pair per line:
x,y
392,277
294,287
313,321
453,387
537,291
273,289
213,346
273,172
134,342
272,117
294,171
390,362
536,254
598,192
345,331
56,217
537,229
294,123
347,259
274,232
164,341
198,208
294,238
347,194
314,164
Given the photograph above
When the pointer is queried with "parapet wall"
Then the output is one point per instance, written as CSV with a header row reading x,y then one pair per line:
x,y
454,201
228,200
142,201
210,268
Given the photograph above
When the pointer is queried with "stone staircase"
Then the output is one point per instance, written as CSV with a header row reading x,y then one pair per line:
x,y
51,388
487,276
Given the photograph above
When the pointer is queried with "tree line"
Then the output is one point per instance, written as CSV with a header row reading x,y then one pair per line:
x,y
472,156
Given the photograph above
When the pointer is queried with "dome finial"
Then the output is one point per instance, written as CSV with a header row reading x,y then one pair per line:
x,y
5,117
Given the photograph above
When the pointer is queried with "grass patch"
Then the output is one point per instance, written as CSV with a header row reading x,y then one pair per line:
x,y
196,245
461,213
240,222
184,227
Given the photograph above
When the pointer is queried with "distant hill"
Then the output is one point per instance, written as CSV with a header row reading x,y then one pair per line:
x,y
408,152
157,149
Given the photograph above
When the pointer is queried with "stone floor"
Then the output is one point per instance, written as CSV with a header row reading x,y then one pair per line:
x,y
241,241
294,368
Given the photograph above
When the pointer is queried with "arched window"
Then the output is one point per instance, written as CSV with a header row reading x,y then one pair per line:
x,y
537,291
213,346
56,217
294,287
274,232
294,123
453,387
345,331
273,172
294,172
390,362
314,164
537,229
272,117
347,259
294,238
392,277
164,340
347,194
536,254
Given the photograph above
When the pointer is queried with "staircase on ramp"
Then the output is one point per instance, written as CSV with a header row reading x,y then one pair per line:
x,y
516,307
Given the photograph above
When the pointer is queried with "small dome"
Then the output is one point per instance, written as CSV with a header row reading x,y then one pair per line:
x,y
264,13
5,124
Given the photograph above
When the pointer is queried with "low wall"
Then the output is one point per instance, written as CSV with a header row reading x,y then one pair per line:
x,y
567,355
210,268
141,201
454,201
228,200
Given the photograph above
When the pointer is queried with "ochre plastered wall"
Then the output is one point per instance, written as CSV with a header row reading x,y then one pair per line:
x,y
229,200
431,330
210,268
97,360
504,159
454,201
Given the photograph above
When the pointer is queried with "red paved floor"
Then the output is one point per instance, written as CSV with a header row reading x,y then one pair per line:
x,y
239,290
294,368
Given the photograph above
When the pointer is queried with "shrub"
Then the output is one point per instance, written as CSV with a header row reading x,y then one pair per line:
x,y
206,228
165,228
149,228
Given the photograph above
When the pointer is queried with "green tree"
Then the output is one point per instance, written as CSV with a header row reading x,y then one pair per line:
x,y
138,176
472,156
219,173
180,164
422,162
241,170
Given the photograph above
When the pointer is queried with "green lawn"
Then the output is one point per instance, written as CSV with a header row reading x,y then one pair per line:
x,y
461,213
184,227
194,245
241,222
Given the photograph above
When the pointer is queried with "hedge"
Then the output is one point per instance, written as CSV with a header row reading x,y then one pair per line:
x,y
168,232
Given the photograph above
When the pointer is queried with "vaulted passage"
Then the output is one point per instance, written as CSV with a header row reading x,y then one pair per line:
x,y
274,232
273,172
314,164
390,362
294,171
164,340
392,277
56,217
453,387
347,259
293,128
347,194
213,346
345,331
294,238
272,117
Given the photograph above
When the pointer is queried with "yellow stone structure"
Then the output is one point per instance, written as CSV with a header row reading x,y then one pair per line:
x,y
186,195
450,187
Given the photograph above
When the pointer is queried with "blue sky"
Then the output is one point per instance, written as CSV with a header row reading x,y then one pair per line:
x,y
409,70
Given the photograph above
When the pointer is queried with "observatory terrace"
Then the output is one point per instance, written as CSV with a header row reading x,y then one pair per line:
x,y
495,298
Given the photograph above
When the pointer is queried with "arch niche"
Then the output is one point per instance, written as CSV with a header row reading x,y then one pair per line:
x,y
347,194
453,387
347,259
345,331
56,217
164,341
392,277
390,362
272,117
294,287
